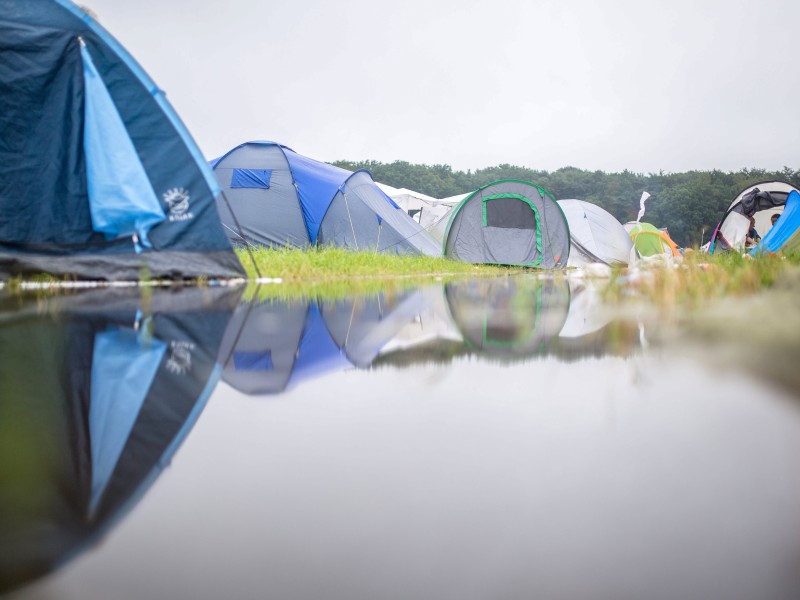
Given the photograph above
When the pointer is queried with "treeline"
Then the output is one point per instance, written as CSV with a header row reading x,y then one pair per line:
x,y
689,204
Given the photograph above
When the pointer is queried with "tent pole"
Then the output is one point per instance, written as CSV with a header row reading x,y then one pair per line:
x,y
241,235
349,218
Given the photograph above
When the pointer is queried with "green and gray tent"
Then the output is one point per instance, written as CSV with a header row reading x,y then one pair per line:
x,y
509,222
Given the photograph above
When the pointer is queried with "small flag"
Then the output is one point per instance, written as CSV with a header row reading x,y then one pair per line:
x,y
644,198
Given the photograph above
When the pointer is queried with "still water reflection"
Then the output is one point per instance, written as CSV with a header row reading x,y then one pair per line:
x,y
507,438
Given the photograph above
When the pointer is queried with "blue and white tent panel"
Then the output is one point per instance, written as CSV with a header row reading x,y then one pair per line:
x,y
101,176
308,202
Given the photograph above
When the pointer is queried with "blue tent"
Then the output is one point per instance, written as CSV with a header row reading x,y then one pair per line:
x,y
785,228
100,179
276,197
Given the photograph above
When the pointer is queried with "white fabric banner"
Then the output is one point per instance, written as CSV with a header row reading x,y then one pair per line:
x,y
644,198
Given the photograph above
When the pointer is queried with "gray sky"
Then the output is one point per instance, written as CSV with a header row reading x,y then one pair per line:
x,y
595,84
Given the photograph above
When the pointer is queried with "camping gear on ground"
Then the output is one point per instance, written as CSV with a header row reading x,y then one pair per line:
x,y
275,197
100,179
509,223
595,235
651,241
760,201
785,233
100,388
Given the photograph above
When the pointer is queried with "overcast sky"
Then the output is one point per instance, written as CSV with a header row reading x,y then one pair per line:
x,y
603,84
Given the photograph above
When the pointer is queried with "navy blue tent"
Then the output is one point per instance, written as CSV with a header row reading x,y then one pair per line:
x,y
99,179
281,198
99,390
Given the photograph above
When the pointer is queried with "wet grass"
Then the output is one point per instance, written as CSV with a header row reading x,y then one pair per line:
x,y
336,263
698,279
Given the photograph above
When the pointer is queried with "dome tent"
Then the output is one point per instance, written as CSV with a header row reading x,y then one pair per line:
x,y
595,235
276,197
649,240
783,235
509,222
760,201
100,179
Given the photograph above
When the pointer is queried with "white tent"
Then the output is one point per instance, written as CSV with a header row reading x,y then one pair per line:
x,y
428,211
762,200
595,235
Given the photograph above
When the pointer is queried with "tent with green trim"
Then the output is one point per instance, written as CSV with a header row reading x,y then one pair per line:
x,y
509,222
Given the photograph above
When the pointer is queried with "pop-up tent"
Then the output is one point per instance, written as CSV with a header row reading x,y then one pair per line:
x,y
99,179
650,241
99,390
595,235
274,346
760,201
785,233
509,223
276,197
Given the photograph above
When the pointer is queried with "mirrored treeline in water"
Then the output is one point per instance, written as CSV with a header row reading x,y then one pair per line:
x,y
98,390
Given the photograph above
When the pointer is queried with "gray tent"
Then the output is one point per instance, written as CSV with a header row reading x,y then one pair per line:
x,y
509,223
276,197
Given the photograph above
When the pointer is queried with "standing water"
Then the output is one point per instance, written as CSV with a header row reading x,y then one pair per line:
x,y
491,438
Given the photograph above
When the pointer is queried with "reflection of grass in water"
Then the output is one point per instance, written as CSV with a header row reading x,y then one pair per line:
x,y
329,289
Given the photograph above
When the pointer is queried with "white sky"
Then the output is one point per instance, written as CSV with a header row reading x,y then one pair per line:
x,y
595,84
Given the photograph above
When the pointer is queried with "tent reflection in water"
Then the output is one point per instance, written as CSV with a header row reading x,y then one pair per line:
x,y
509,317
274,345
99,390
100,179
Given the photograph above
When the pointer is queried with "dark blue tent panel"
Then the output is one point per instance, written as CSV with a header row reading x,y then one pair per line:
x,y
307,202
100,179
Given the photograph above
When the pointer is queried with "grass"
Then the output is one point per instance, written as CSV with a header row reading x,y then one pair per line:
x,y
700,278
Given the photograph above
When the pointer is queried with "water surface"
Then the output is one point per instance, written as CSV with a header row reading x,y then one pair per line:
x,y
509,438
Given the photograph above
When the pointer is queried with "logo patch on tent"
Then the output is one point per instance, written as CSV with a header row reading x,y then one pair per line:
x,y
178,201
180,357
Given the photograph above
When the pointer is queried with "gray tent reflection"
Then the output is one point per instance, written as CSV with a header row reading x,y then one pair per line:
x,y
98,391
512,318
509,317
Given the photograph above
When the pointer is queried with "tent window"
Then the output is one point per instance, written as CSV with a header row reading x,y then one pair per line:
x,y
251,178
508,212
252,361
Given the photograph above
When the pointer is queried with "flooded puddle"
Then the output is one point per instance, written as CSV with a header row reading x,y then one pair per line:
x,y
492,438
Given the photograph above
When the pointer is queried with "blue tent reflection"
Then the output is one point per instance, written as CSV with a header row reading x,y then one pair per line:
x,y
98,391
274,345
